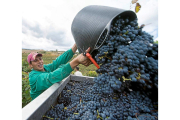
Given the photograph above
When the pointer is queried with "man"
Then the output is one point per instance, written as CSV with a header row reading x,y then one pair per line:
x,y
43,76
77,73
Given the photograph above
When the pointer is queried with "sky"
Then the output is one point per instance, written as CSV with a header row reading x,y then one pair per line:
x,y
47,24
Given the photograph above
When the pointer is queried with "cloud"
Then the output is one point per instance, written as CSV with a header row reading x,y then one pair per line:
x,y
58,37
50,35
32,42
30,29
49,23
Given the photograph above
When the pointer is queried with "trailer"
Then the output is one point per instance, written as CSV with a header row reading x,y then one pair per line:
x,y
38,107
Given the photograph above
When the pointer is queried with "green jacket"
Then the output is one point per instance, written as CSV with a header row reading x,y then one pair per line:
x,y
55,72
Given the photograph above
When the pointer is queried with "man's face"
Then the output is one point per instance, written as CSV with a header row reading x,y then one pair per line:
x,y
37,64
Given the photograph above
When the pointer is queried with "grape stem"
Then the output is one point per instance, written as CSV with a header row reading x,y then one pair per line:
x,y
105,56
125,78
76,113
68,91
50,117
136,116
80,100
98,115
126,32
52,106
139,76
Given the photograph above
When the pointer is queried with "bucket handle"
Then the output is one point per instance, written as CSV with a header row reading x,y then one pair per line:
x,y
107,28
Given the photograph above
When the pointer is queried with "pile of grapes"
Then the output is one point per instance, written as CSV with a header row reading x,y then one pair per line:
x,y
78,101
127,84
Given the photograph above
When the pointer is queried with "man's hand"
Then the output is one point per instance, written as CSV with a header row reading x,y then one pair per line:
x,y
83,59
80,59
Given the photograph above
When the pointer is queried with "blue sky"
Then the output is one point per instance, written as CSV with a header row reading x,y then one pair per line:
x,y
47,24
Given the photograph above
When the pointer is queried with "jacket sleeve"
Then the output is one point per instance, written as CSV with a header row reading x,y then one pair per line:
x,y
43,81
62,59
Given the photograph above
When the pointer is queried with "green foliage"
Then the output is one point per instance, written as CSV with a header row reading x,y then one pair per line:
x,y
25,66
84,70
43,52
156,42
24,62
26,98
92,74
73,72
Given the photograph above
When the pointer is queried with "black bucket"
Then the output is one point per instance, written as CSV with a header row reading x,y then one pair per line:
x,y
93,21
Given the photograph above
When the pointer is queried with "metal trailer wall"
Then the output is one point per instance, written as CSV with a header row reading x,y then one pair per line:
x,y
38,107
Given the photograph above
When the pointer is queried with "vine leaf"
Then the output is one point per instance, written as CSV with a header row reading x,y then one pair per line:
x,y
134,1
137,8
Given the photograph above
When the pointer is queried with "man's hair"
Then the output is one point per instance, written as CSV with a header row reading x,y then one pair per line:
x,y
77,68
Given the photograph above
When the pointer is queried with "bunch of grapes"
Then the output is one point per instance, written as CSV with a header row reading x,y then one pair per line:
x,y
127,56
